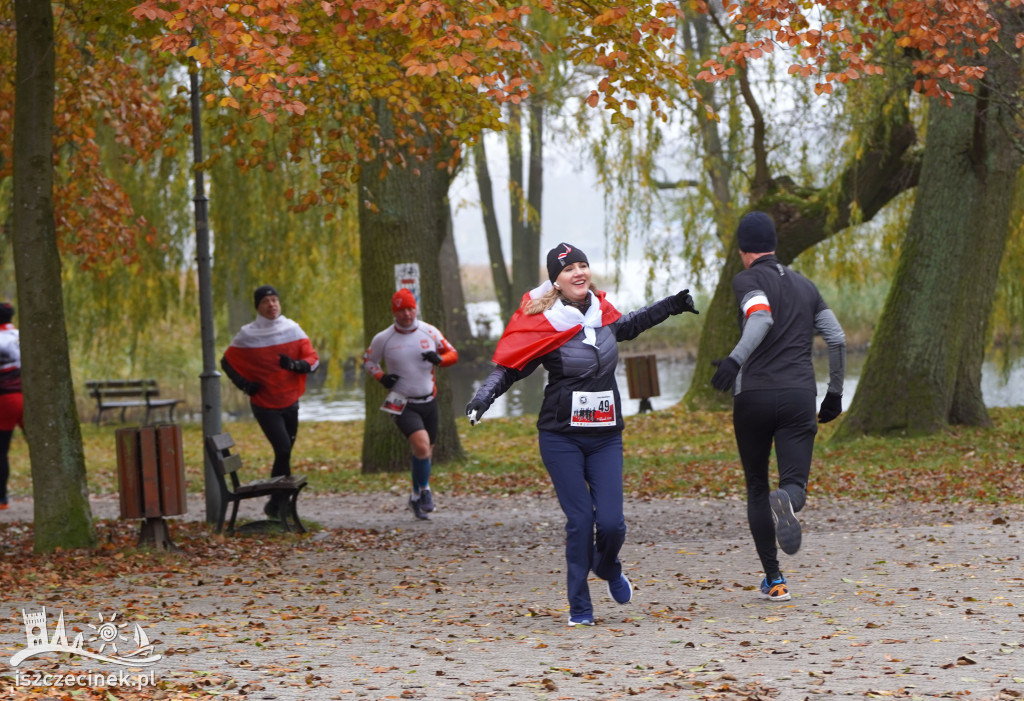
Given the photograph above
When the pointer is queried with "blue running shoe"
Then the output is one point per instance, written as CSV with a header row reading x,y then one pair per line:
x,y
581,620
620,589
776,590
787,528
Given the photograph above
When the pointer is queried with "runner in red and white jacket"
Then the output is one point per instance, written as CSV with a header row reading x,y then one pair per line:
x,y
269,359
10,392
410,350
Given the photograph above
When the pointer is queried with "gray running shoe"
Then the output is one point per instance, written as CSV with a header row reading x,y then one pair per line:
x,y
417,509
426,500
787,528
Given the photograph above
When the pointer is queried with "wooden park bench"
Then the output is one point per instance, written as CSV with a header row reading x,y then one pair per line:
x,y
232,490
126,394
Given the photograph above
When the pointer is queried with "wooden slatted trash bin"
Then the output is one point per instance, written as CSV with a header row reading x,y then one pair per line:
x,y
151,479
642,379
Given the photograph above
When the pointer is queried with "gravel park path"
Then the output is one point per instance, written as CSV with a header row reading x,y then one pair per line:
x,y
889,601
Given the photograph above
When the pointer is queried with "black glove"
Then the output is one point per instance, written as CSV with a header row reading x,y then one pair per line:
x,y
725,376
431,357
250,388
475,410
293,364
831,407
683,302
389,380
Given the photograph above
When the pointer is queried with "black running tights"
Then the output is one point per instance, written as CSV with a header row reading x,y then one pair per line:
x,y
786,418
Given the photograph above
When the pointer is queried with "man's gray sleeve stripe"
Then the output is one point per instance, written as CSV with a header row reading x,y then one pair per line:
x,y
826,324
755,329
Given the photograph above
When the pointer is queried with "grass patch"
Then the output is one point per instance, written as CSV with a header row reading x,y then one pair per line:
x,y
676,453
669,453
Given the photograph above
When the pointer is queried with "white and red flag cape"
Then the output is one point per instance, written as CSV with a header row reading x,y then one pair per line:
x,y
255,353
529,336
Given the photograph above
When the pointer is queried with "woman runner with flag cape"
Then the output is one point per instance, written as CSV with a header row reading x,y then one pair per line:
x,y
571,329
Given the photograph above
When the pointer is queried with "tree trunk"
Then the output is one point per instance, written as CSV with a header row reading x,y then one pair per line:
x,y
885,168
403,218
521,279
717,337
525,197
62,516
923,370
235,229
448,446
535,196
499,270
456,328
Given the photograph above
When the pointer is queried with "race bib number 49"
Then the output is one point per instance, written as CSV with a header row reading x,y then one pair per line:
x,y
593,409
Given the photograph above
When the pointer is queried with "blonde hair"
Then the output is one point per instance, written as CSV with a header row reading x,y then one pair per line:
x,y
547,300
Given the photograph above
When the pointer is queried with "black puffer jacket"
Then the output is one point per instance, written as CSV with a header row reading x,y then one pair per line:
x,y
578,367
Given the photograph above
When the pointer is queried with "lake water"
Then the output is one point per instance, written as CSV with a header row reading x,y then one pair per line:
x,y
674,374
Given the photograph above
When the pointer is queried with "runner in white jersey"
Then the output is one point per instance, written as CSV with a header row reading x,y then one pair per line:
x,y
410,349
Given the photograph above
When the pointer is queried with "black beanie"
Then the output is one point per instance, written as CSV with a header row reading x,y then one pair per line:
x,y
261,292
756,233
562,255
6,312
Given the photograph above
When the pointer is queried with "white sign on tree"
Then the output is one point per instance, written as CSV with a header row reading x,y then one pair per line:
x,y
407,275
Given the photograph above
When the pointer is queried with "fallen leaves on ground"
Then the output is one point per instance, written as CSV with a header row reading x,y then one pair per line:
x,y
200,549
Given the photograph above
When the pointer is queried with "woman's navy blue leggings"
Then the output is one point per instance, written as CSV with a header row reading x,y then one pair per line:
x,y
586,472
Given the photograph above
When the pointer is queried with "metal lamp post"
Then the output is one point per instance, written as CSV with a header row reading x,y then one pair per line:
x,y
210,378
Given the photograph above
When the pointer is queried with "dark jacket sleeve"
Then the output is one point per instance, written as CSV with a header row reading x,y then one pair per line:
x,y
499,381
636,322
232,374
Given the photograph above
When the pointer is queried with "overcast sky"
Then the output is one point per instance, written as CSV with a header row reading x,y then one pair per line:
x,y
573,207
573,211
